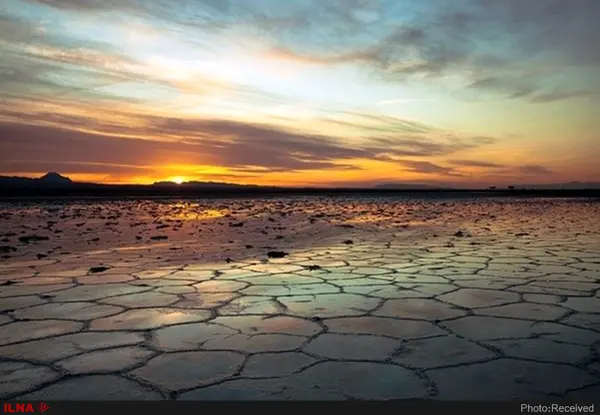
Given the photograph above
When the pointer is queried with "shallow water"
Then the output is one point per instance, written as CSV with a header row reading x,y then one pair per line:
x,y
194,229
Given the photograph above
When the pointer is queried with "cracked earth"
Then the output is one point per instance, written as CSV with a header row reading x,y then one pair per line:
x,y
301,298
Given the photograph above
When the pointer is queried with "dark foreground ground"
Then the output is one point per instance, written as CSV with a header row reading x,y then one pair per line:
x,y
301,298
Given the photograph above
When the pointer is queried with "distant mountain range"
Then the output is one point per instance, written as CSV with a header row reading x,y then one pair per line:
x,y
551,186
561,186
49,180
55,183
55,180
408,186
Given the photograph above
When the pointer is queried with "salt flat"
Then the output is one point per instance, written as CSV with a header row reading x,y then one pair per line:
x,y
300,298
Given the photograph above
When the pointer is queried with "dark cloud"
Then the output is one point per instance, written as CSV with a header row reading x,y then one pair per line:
x,y
483,140
528,88
560,95
13,29
419,146
82,4
400,146
147,8
508,171
382,123
390,137
562,28
247,147
534,170
513,48
502,170
245,144
426,167
474,163
513,87
212,14
248,150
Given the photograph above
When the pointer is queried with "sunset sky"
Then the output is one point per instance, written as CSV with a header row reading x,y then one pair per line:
x,y
301,92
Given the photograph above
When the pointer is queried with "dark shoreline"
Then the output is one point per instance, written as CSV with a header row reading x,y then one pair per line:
x,y
187,193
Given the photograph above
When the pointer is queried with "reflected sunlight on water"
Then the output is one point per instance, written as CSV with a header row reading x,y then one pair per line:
x,y
185,211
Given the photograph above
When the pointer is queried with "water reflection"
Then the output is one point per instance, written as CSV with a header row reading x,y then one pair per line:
x,y
187,211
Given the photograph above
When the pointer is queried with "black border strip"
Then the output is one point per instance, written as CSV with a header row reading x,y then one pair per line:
x,y
167,407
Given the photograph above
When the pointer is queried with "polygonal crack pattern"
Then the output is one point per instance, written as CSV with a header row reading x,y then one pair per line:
x,y
395,303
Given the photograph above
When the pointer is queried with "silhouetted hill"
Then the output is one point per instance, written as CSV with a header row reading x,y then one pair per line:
x,y
53,178
56,180
49,180
10,181
55,184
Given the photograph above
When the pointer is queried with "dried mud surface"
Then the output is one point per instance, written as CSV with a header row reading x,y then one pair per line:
x,y
301,298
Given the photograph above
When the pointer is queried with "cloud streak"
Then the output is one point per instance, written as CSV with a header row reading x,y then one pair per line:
x,y
427,167
475,163
218,142
535,170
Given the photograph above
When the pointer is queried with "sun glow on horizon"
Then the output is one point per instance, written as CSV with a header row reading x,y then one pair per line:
x,y
177,179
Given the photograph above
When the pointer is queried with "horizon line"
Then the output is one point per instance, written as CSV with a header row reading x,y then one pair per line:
x,y
376,186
